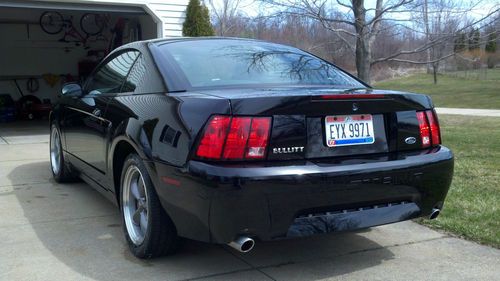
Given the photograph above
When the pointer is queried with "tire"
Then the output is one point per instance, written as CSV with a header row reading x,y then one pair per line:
x,y
148,229
51,22
92,24
59,167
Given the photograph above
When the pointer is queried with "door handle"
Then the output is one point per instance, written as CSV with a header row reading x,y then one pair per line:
x,y
97,112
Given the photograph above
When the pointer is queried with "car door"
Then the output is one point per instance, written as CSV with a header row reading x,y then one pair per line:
x,y
85,124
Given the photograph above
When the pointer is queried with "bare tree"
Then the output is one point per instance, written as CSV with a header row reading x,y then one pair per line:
x,y
224,12
440,24
359,27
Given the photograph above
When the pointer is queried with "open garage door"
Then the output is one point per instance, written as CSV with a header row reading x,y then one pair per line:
x,y
45,44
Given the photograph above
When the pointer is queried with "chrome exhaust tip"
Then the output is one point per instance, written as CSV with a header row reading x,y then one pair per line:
x,y
435,212
243,244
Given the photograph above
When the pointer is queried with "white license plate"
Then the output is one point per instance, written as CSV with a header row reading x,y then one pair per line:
x,y
342,130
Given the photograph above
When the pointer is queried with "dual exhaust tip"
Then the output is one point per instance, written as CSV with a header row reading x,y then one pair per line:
x,y
242,244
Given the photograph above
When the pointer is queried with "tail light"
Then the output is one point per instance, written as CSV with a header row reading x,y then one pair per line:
x,y
212,142
234,138
434,124
429,128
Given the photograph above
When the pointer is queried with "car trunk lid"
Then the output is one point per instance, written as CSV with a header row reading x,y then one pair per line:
x,y
299,126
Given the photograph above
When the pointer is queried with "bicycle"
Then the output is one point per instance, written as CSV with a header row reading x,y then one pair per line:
x,y
91,24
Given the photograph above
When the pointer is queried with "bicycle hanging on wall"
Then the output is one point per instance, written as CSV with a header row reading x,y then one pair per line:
x,y
91,24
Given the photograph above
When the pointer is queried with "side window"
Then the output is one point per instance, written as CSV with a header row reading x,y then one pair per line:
x,y
110,77
136,76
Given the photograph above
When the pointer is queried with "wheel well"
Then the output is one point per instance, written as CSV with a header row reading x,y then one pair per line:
x,y
122,150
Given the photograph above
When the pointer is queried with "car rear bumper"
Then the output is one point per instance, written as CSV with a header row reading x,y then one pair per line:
x,y
217,203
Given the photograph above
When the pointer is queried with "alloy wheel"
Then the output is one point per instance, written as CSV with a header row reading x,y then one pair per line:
x,y
55,151
135,205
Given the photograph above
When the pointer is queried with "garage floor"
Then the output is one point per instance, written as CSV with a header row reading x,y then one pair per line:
x,y
22,132
69,232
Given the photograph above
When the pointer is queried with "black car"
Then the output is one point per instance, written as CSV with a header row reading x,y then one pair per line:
x,y
232,140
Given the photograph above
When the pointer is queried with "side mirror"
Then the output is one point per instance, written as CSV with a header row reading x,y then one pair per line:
x,y
72,90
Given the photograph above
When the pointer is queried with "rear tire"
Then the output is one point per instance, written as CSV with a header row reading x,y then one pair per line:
x,y
51,22
148,229
59,167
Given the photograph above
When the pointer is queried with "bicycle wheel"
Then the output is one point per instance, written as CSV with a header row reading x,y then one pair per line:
x,y
92,24
51,22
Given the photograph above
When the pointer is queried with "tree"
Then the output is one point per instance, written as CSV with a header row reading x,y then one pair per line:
x,y
440,24
357,30
474,39
491,45
197,21
460,42
359,26
491,48
224,12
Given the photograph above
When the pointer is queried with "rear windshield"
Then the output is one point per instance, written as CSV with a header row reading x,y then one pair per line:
x,y
207,63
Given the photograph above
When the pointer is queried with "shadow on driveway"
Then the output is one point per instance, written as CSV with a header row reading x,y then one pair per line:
x,y
71,230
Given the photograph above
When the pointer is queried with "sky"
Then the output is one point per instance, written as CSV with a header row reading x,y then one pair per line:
x,y
482,8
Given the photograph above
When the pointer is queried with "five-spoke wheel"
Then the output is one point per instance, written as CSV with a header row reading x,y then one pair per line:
x,y
60,169
135,205
55,151
148,229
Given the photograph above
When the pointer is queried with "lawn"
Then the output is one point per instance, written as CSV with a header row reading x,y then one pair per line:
x,y
472,208
472,89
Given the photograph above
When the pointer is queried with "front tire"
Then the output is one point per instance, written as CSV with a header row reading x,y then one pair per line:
x,y
60,169
148,229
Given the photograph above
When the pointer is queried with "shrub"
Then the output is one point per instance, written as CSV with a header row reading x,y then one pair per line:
x,y
197,21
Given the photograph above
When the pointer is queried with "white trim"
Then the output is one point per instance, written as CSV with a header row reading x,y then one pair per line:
x,y
153,9
156,19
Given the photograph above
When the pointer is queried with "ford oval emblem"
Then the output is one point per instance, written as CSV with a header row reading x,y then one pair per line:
x,y
410,140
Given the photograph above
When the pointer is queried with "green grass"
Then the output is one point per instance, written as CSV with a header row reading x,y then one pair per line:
x,y
472,207
472,89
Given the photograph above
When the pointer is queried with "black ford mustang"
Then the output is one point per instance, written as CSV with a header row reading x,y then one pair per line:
x,y
230,140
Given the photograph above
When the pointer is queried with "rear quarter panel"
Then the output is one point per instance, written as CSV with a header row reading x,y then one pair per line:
x,y
162,128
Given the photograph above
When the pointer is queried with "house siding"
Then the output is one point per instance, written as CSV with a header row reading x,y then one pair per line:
x,y
172,13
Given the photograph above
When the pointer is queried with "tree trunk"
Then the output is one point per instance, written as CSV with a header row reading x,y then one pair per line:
x,y
363,51
425,12
435,67
363,58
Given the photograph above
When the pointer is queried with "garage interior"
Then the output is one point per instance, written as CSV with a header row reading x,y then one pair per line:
x,y
34,64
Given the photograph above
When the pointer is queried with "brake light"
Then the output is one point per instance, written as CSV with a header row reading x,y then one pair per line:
x,y
429,128
211,143
235,138
434,125
350,96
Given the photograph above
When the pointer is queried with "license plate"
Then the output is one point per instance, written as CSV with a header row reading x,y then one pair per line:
x,y
342,130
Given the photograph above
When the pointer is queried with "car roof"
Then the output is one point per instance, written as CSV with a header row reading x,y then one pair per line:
x,y
161,41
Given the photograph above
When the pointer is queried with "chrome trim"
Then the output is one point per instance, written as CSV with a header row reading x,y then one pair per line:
x,y
88,113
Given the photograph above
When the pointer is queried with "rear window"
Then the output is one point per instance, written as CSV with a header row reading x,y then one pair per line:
x,y
208,63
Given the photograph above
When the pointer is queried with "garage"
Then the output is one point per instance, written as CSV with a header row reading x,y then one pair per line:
x,y
45,44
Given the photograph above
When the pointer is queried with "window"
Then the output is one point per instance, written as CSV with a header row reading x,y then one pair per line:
x,y
207,63
110,77
136,76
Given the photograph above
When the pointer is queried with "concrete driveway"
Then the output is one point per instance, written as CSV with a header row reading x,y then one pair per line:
x,y
69,232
